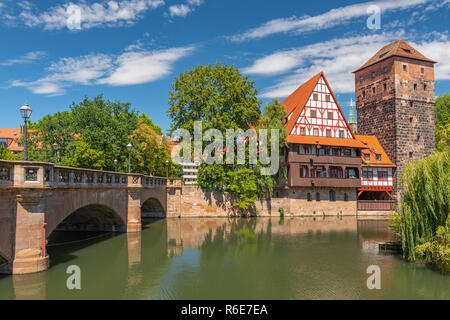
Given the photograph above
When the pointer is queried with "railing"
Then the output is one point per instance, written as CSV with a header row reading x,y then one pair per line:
x,y
376,205
40,174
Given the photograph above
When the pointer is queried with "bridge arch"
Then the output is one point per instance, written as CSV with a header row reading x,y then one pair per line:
x,y
152,208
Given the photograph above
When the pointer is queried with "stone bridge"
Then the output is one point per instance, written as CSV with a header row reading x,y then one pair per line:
x,y
36,198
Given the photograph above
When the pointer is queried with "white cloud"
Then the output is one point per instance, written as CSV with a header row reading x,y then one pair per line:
x,y
179,10
145,66
337,58
105,13
26,58
182,10
128,68
326,20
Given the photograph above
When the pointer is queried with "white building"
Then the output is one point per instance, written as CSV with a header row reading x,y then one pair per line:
x,y
190,171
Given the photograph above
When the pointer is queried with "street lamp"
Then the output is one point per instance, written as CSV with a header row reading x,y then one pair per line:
x,y
129,147
55,148
167,169
25,112
115,163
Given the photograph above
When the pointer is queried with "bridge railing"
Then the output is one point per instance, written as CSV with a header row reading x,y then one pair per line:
x,y
27,174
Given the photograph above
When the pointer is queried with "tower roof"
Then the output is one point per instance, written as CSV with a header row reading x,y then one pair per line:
x,y
398,48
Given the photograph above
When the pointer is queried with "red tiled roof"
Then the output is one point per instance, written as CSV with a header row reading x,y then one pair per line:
x,y
398,48
11,134
373,147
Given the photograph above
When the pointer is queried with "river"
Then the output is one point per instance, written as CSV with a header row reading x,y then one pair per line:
x,y
219,258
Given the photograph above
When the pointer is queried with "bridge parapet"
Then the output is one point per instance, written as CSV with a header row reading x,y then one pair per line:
x,y
27,174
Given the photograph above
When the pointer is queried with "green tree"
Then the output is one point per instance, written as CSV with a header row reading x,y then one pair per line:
x,y
81,155
220,96
425,201
149,122
442,124
151,152
242,184
5,154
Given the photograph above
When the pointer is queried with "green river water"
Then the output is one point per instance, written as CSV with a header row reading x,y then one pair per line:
x,y
219,258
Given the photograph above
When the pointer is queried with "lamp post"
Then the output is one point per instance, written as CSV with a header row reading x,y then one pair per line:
x,y
25,112
115,163
167,169
55,149
129,147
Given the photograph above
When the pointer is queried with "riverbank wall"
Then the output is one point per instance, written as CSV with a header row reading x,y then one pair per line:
x,y
196,202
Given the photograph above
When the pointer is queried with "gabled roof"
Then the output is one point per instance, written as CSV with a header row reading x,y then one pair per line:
x,y
295,104
372,148
11,134
398,48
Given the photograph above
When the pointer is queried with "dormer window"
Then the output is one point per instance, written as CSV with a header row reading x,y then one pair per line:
x,y
378,157
367,157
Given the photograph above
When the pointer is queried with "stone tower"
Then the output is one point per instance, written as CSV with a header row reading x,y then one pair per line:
x,y
352,120
395,99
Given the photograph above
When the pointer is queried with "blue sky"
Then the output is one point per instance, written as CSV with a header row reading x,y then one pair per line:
x,y
131,50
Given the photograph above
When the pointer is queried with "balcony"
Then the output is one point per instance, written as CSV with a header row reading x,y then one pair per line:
x,y
376,205
325,182
337,160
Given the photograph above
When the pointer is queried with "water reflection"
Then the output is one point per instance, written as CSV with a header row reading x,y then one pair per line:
x,y
221,258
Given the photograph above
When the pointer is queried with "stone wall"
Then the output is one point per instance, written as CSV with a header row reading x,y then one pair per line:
x,y
197,203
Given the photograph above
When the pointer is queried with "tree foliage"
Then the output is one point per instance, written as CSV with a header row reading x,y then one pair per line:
x,y
442,122
425,201
219,96
5,154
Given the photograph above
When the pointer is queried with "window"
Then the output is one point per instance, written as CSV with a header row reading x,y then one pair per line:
x,y
303,171
422,70
341,133
308,197
367,157
415,86
411,104
317,196
410,154
373,75
315,97
384,87
418,137
302,131
364,93
313,114
332,195
361,79
328,133
378,157
327,98
348,152
345,197
316,132
404,67
385,69
424,87
330,115
373,90
335,152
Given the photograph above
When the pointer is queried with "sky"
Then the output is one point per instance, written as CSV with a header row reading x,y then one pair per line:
x,y
56,52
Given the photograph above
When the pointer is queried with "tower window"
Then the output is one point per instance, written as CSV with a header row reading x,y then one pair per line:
x,y
373,90
411,104
422,70
385,69
418,137
361,79
364,93
424,87
411,119
384,87
373,75
410,155
415,86
404,67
